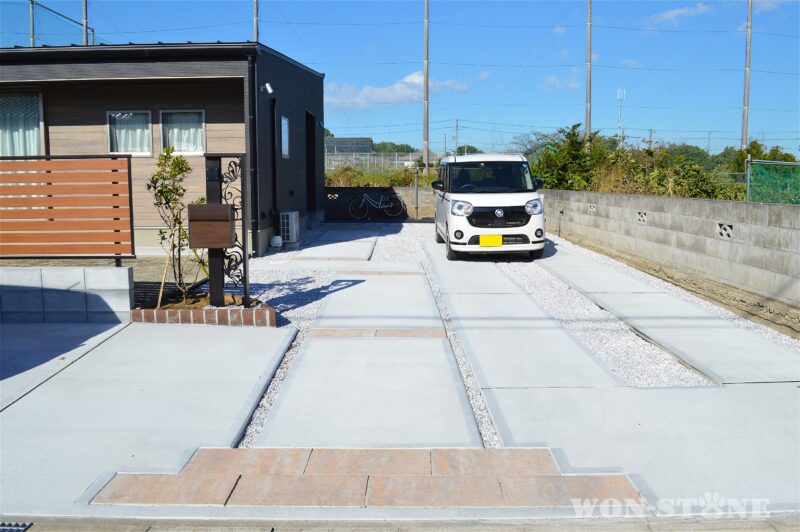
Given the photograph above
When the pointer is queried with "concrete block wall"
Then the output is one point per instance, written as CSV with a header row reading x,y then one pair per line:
x,y
751,246
66,294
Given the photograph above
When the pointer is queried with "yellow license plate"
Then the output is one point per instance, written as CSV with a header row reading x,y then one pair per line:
x,y
491,241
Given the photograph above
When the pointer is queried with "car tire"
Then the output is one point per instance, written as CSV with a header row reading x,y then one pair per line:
x,y
536,254
451,253
439,239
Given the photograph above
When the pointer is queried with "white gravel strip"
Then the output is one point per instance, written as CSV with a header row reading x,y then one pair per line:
x,y
297,296
406,246
634,360
757,328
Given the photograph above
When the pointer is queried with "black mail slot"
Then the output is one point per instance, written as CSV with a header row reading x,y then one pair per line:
x,y
211,226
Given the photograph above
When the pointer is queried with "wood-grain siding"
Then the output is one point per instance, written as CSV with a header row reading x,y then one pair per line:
x,y
75,124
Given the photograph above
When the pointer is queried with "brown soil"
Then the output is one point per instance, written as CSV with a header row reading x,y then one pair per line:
x,y
200,300
773,314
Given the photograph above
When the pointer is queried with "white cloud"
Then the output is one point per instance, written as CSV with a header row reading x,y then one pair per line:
x,y
484,75
564,54
553,83
595,57
408,89
672,16
559,30
632,63
762,6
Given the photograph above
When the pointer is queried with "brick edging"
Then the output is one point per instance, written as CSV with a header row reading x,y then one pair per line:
x,y
260,316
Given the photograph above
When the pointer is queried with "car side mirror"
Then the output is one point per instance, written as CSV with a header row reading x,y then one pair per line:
x,y
438,185
538,183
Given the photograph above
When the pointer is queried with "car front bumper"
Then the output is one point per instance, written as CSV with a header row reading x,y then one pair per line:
x,y
533,232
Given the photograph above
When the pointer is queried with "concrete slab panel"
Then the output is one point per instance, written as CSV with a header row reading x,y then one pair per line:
x,y
141,401
511,342
370,301
372,392
343,266
32,353
465,277
358,250
726,352
738,441
345,235
588,275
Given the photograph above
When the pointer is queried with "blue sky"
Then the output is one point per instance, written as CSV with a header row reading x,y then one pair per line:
x,y
501,68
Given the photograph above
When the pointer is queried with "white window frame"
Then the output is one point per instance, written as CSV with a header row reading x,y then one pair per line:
x,y
205,130
285,138
40,98
136,153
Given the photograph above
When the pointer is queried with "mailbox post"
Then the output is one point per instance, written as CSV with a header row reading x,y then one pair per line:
x,y
213,225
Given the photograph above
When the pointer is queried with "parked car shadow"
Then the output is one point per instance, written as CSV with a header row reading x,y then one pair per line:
x,y
296,293
35,331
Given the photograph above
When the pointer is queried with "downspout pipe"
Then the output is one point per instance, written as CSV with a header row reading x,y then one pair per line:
x,y
252,154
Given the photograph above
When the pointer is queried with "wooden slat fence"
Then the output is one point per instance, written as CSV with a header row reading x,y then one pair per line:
x,y
66,207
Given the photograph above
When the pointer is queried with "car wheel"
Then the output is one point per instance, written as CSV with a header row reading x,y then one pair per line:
x,y
451,254
536,254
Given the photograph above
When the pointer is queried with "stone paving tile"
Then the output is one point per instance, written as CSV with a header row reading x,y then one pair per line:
x,y
423,332
394,462
158,489
299,490
499,462
561,491
434,492
222,461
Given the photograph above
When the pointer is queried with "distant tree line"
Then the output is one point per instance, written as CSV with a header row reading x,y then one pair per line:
x,y
568,160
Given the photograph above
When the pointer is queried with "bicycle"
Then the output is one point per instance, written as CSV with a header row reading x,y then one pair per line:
x,y
391,204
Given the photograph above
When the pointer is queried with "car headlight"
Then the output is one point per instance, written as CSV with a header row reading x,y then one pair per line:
x,y
534,206
461,208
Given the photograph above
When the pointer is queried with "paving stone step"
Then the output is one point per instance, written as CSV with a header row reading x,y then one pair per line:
x,y
429,478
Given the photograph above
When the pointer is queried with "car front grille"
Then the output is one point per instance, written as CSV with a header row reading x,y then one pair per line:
x,y
486,217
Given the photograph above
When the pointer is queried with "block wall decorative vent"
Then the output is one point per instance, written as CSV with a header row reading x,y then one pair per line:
x,y
592,208
642,217
725,230
14,526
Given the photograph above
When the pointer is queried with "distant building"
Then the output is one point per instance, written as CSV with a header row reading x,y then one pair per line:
x,y
348,145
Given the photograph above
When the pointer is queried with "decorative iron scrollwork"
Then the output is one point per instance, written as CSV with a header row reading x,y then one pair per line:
x,y
232,195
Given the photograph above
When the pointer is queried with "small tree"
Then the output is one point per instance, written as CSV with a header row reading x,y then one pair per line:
x,y
168,189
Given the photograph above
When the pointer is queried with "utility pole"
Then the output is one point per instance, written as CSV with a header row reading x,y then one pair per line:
x,y
85,23
746,104
588,124
31,9
621,95
455,152
255,21
425,147
650,139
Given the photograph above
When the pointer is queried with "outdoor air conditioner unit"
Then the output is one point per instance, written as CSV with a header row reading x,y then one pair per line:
x,y
290,227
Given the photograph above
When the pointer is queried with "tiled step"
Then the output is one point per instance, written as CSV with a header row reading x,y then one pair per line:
x,y
427,478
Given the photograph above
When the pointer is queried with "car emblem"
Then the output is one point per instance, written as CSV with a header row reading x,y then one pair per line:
x,y
499,213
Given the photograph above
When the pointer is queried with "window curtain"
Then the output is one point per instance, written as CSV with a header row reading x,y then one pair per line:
x,y
184,131
20,133
129,132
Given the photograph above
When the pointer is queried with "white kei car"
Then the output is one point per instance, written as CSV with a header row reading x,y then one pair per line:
x,y
488,203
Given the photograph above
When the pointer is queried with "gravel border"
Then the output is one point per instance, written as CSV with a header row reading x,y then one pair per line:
x,y
762,330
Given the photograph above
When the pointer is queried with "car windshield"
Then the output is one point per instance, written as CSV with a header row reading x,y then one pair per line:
x,y
507,176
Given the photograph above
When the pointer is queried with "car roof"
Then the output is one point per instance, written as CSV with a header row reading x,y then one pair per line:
x,y
484,157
